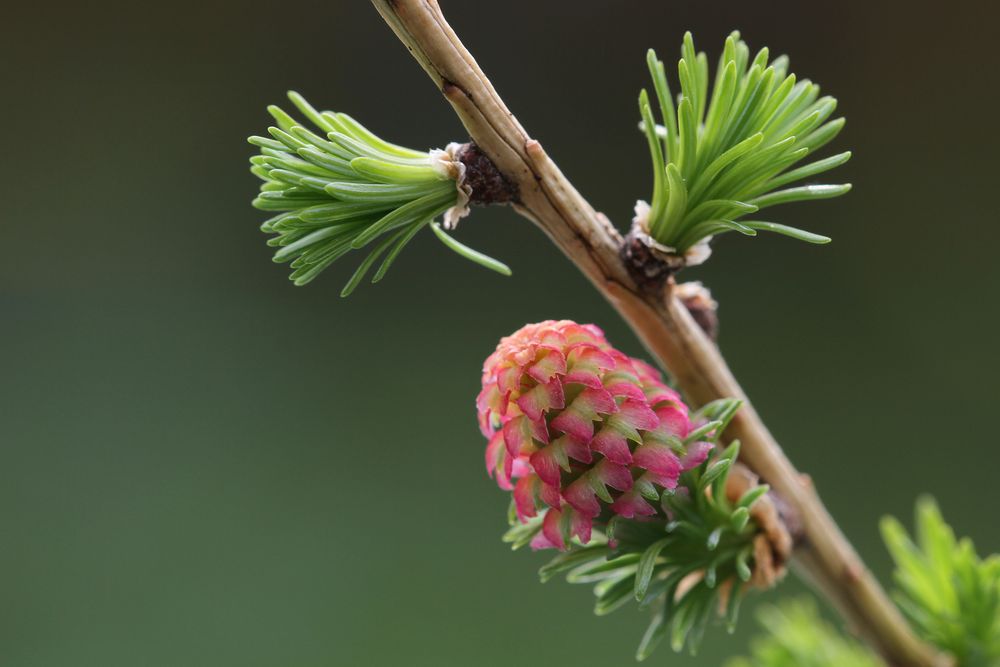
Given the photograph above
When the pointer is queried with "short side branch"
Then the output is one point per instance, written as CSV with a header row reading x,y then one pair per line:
x,y
661,321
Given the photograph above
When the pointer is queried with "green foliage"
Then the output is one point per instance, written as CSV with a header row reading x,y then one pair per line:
x,y
719,158
799,637
347,190
951,596
687,565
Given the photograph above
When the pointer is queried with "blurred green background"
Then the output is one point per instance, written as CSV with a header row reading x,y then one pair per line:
x,y
202,465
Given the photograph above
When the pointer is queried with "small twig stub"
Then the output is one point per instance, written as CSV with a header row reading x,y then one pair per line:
x,y
647,268
488,185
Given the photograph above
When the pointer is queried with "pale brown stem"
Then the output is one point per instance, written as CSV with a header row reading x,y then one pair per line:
x,y
824,557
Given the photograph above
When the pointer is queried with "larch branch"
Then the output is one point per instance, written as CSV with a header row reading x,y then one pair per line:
x,y
824,557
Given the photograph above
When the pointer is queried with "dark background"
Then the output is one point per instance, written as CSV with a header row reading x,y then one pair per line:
x,y
202,465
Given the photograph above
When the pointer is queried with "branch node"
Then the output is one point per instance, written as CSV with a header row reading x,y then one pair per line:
x,y
488,185
646,267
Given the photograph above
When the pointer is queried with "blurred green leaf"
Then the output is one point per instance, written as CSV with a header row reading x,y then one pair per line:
x,y
951,596
796,636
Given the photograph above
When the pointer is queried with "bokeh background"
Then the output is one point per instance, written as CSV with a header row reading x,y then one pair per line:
x,y
202,465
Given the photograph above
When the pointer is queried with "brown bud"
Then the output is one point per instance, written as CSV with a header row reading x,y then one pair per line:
x,y
773,546
703,308
488,185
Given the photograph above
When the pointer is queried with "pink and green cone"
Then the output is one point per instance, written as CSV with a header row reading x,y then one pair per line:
x,y
579,431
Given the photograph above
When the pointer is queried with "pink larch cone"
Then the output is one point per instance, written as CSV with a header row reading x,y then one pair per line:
x,y
580,431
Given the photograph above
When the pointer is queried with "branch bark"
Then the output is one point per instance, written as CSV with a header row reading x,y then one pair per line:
x,y
824,557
